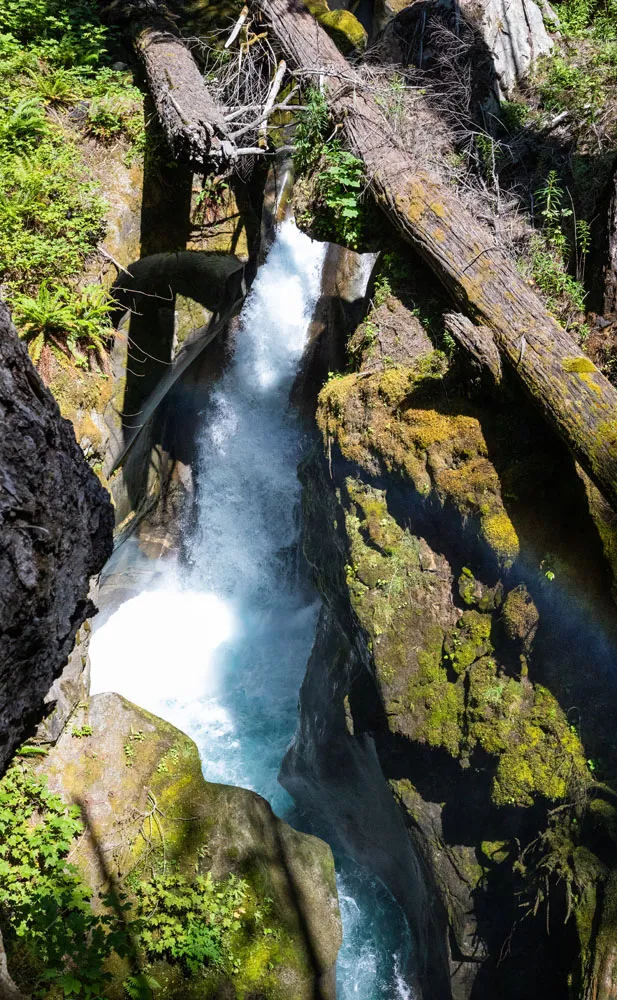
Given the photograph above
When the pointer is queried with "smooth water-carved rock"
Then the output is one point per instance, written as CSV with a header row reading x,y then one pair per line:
x,y
121,765
56,529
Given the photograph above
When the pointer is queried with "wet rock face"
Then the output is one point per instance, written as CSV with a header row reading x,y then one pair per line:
x,y
56,531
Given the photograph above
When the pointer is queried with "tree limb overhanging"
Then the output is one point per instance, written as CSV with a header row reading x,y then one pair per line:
x,y
577,399
195,122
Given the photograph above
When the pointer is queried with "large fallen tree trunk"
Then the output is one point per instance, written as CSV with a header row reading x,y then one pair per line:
x,y
193,122
577,399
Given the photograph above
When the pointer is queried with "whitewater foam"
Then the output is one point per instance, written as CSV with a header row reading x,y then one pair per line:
x,y
220,649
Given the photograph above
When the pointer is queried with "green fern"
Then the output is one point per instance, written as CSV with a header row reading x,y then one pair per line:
x,y
23,126
69,323
140,987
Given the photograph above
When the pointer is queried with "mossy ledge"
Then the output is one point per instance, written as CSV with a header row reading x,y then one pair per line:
x,y
459,583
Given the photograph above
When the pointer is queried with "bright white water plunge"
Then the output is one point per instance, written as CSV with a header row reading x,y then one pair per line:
x,y
220,648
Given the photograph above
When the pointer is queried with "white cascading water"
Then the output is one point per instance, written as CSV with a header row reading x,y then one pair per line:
x,y
219,648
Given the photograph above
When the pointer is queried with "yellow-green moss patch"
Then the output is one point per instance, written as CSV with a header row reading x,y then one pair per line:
x,y
578,364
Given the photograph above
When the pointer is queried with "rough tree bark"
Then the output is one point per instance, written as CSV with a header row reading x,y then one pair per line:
x,y
610,266
193,123
477,341
579,402
191,119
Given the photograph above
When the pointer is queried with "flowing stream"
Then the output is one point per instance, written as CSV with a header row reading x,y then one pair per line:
x,y
219,647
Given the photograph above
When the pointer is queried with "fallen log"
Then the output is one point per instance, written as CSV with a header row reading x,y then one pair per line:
x,y
477,341
193,122
576,398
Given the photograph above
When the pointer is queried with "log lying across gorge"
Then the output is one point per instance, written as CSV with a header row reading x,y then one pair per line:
x,y
193,122
576,398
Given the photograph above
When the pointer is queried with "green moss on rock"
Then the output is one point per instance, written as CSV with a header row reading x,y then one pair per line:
x,y
440,682
470,640
520,617
383,420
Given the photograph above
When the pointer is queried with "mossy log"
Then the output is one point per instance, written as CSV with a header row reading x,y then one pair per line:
x,y
478,341
576,398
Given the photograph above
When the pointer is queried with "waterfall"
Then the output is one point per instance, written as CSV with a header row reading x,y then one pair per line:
x,y
219,647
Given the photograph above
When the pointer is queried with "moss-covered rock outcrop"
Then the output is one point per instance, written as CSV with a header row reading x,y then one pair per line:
x,y
156,831
342,26
459,594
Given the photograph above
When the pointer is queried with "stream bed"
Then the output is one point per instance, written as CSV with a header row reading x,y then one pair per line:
x,y
219,647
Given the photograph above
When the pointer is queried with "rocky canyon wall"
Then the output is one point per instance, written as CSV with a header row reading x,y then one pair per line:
x,y
56,531
464,658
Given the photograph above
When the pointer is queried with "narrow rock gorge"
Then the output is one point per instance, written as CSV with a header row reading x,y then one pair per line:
x,y
307,484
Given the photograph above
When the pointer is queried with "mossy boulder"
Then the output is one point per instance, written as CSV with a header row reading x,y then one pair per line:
x,y
386,423
439,681
147,809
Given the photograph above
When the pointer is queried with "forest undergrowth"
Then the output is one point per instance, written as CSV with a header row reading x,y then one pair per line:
x,y
62,95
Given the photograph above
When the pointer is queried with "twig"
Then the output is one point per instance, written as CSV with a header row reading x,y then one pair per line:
x,y
105,253
262,121
149,295
237,27
271,98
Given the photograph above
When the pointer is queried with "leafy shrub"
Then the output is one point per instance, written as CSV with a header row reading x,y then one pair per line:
x,y
186,922
44,904
577,16
513,115
115,115
310,130
567,86
51,217
337,174
550,252
339,188
55,941
63,32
